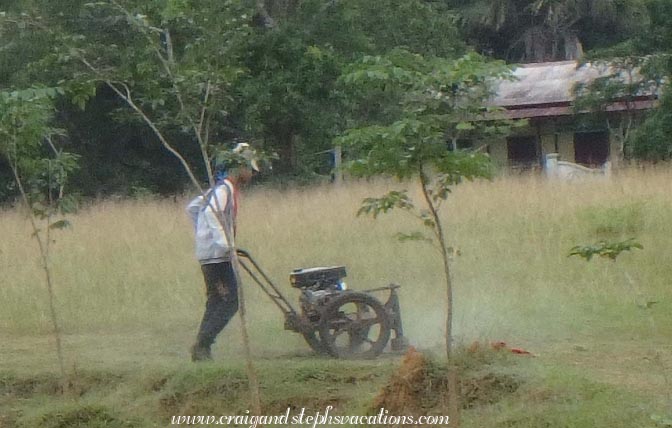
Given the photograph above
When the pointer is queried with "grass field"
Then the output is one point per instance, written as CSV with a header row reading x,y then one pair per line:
x,y
130,296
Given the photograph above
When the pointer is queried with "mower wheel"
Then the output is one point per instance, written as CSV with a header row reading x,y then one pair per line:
x,y
315,343
354,325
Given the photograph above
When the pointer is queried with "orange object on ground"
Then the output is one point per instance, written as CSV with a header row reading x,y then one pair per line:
x,y
498,346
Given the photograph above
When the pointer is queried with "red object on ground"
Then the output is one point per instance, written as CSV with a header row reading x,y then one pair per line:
x,y
498,346
502,345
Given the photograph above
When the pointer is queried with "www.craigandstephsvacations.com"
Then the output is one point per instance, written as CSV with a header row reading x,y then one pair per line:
x,y
301,417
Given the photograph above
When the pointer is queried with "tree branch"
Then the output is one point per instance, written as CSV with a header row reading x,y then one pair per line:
x,y
127,97
204,139
167,63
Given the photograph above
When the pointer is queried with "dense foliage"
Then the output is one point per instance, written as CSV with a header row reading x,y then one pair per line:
x,y
274,71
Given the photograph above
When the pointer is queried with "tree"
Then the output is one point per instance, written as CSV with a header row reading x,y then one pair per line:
x,y
289,93
281,79
652,140
628,79
193,78
287,96
438,97
639,68
549,30
40,172
57,40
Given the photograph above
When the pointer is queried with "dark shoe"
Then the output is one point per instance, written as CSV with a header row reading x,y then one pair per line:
x,y
200,353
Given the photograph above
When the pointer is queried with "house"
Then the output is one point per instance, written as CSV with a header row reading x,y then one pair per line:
x,y
542,93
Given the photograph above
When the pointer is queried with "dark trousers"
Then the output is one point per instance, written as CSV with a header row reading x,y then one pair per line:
x,y
222,303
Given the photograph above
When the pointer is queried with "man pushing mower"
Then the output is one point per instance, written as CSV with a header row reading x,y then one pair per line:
x,y
333,319
214,219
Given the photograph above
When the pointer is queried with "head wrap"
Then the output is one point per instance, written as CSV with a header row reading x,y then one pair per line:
x,y
221,173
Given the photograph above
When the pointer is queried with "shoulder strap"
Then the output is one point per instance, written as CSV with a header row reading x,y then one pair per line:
x,y
206,199
229,196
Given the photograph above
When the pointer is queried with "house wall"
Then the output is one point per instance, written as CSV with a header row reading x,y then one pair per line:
x,y
498,152
614,151
555,132
548,133
566,146
547,144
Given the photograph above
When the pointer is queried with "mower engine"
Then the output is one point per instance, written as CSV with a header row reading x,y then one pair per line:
x,y
318,285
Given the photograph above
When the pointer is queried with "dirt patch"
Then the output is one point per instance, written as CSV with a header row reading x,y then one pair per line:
x,y
406,392
420,386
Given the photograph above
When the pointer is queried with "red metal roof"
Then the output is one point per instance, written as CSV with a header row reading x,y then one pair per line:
x,y
546,90
566,110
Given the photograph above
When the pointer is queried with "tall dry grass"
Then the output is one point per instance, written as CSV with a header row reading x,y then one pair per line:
x,y
128,266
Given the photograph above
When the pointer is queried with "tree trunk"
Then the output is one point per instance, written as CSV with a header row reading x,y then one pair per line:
x,y
424,182
44,255
263,18
573,47
453,375
252,378
286,144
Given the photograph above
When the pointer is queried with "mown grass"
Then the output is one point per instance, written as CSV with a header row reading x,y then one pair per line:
x,y
130,294
543,396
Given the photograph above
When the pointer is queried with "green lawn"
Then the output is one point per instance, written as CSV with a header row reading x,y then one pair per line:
x,y
130,296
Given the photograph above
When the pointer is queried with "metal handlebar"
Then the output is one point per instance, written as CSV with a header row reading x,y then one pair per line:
x,y
266,285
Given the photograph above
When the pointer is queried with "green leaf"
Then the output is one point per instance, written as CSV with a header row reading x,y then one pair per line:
x,y
393,199
414,236
427,219
61,224
604,249
39,209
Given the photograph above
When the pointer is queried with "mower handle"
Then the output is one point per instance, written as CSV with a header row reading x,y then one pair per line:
x,y
266,284
242,253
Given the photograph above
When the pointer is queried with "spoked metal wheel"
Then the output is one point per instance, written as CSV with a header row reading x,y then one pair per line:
x,y
354,325
315,343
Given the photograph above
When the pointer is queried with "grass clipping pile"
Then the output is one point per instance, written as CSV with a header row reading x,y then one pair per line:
x,y
420,386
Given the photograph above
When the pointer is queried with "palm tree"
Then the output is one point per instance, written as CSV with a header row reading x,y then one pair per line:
x,y
548,30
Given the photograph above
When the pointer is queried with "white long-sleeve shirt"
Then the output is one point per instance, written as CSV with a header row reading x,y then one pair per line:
x,y
214,223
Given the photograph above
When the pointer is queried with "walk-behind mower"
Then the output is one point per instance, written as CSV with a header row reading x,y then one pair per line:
x,y
334,320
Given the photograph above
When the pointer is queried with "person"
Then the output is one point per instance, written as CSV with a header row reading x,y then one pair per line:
x,y
214,219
